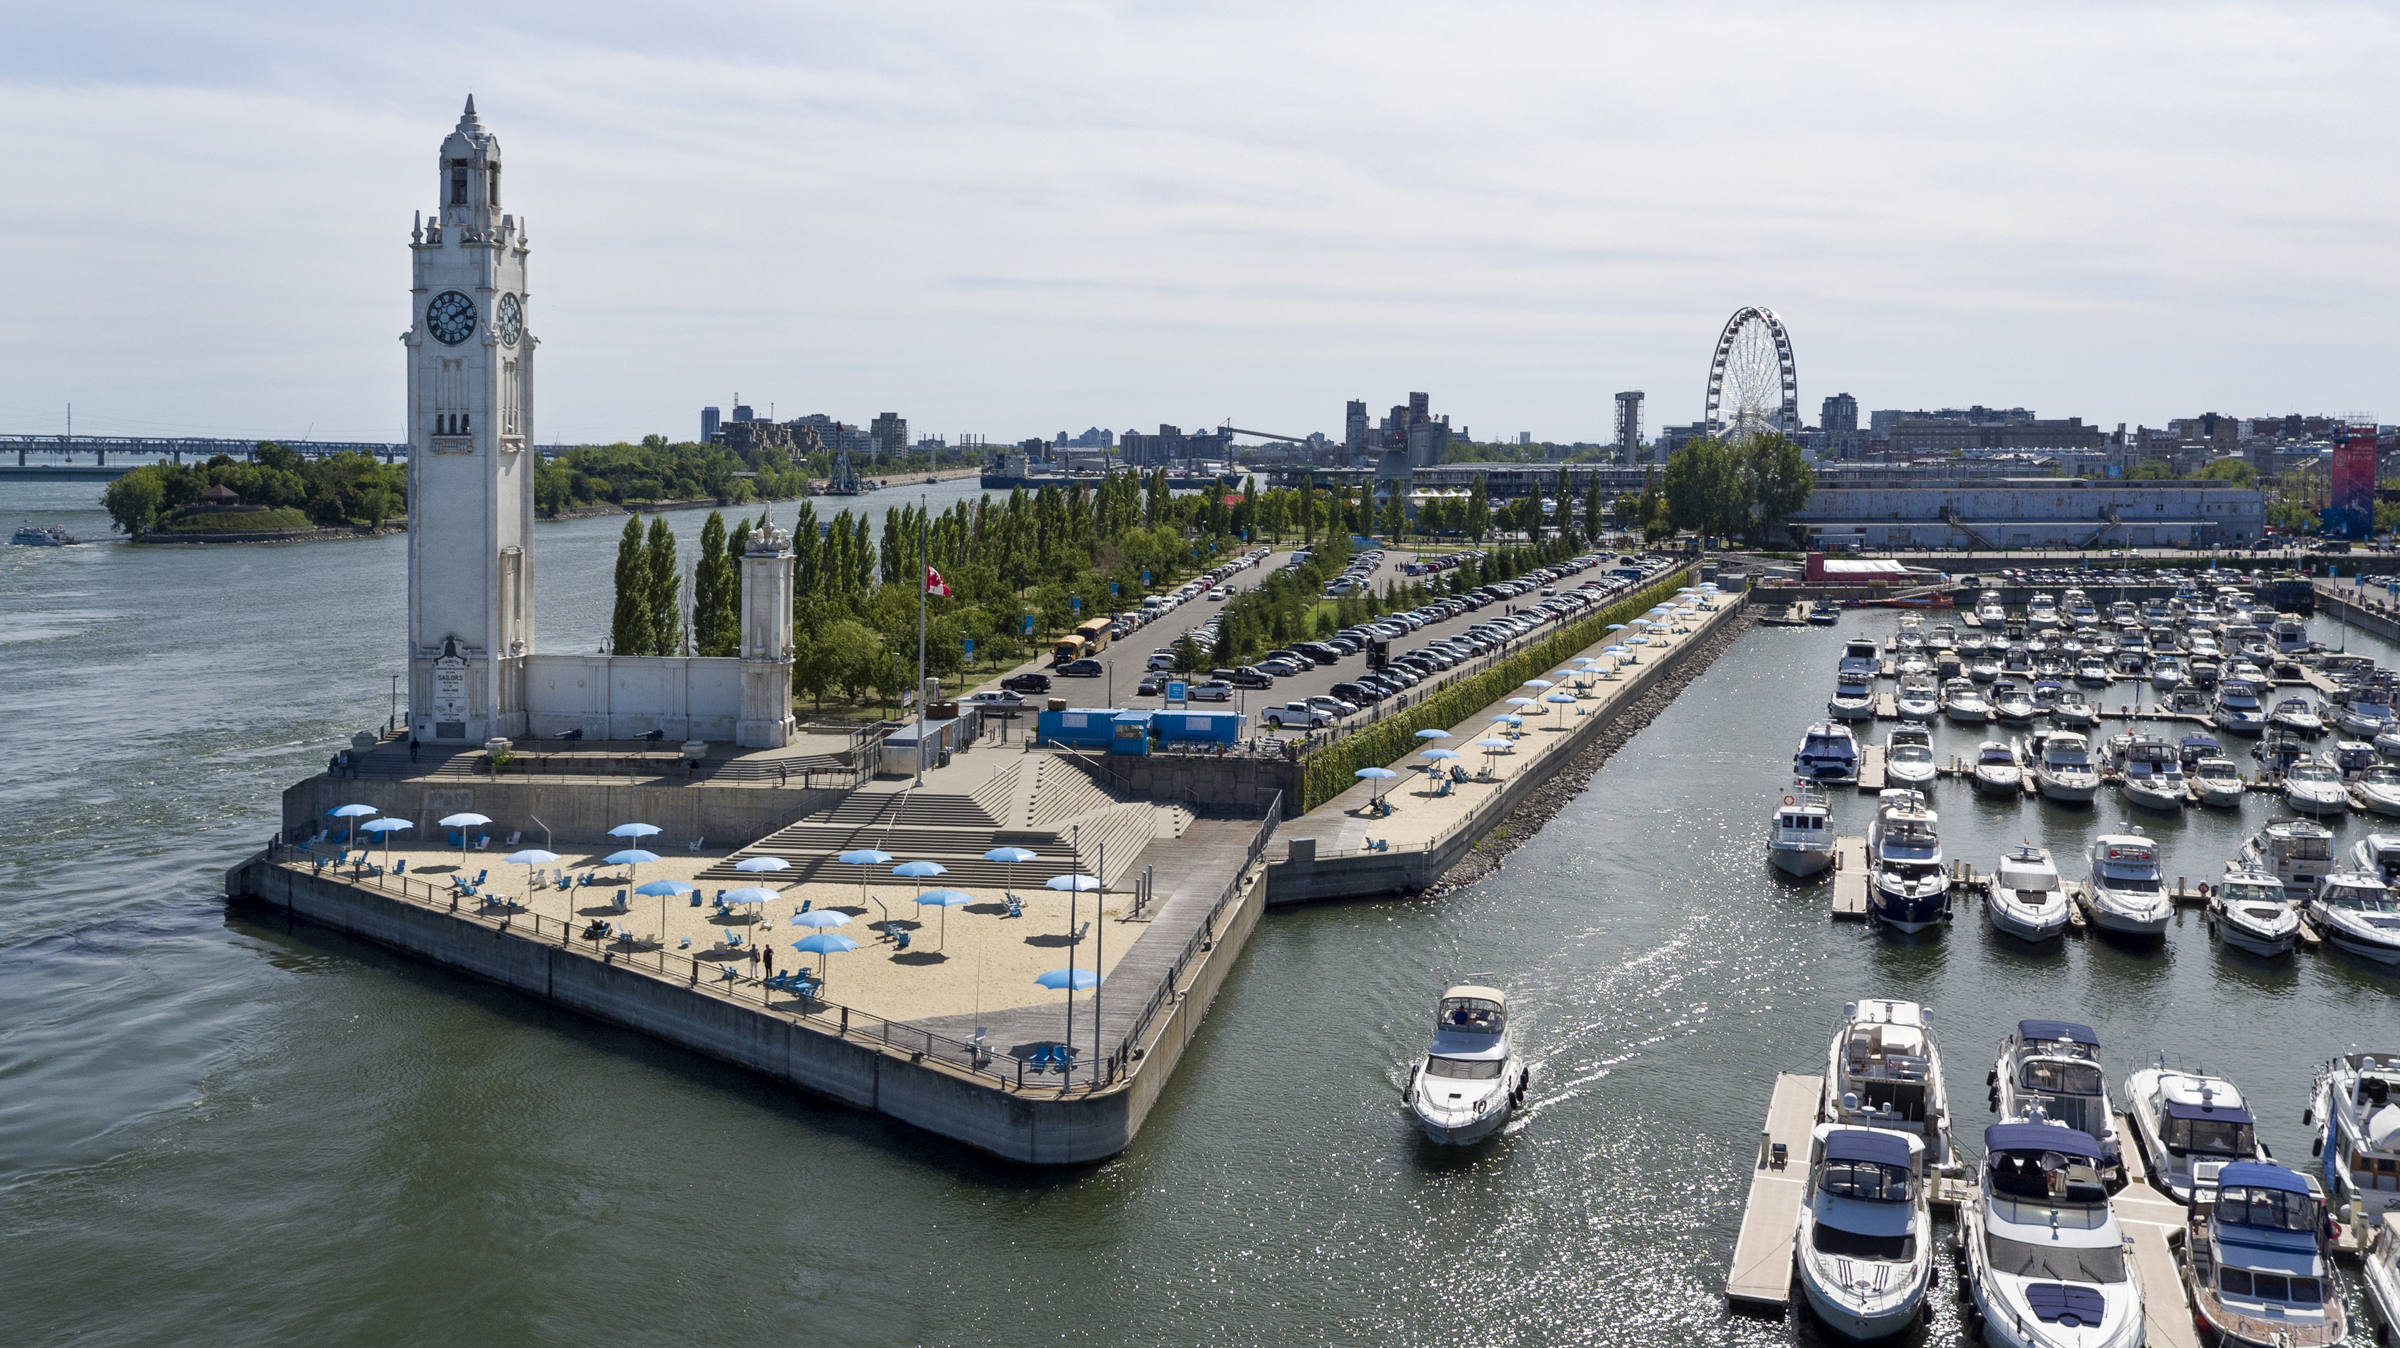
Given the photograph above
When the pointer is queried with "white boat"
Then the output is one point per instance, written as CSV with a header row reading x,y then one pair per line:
x,y
2026,900
2378,789
1990,613
1983,669
2218,782
2166,674
1800,835
2313,788
2296,715
2237,708
2049,1072
2259,1259
2124,888
2249,911
31,535
1828,754
2355,910
2297,852
1865,1240
1963,702
2388,744
2378,854
1910,765
2355,1105
2073,709
2290,634
2183,1119
1884,1071
1996,768
2012,704
2092,671
2063,769
2152,774
1470,1078
1907,885
2042,612
2349,758
2045,1261
1853,698
1920,698
2364,716
1860,655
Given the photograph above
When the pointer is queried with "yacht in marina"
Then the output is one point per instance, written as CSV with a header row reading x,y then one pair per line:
x,y
2050,1072
2297,852
1800,835
2125,891
2183,1119
1860,655
2079,608
2166,674
2259,1259
1996,768
1828,755
2152,774
1884,1071
2249,911
1909,763
1907,885
1983,668
2289,634
2378,790
2237,708
2378,854
2012,704
2042,612
2295,715
2073,709
1471,1077
2350,758
2122,612
1865,1240
2042,1246
2277,752
2062,768
2217,782
2388,744
1963,702
1990,612
1853,697
2355,1104
2314,788
2026,899
2355,910
1920,698
2092,671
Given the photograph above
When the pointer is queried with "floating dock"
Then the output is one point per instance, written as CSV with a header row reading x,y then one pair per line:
x,y
2152,1222
1850,879
1761,1275
1871,760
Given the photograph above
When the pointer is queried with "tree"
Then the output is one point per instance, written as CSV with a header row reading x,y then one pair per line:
x,y
716,626
1188,656
1395,515
1563,516
1479,510
2230,470
666,591
630,630
1781,480
133,502
1595,503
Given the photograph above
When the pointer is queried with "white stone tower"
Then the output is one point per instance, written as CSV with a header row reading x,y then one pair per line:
x,y
766,721
470,463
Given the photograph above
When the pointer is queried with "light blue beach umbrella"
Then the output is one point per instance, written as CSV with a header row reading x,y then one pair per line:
x,y
1375,775
629,858
821,918
1077,884
751,894
464,822
1439,753
1011,856
1616,627
864,856
1073,980
664,890
350,831
1433,734
946,899
386,827
1523,702
754,865
821,944
634,830
916,870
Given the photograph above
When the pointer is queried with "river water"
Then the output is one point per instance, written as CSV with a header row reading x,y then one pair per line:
x,y
213,1129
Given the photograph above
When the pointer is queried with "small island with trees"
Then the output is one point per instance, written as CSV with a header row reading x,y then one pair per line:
x,y
274,494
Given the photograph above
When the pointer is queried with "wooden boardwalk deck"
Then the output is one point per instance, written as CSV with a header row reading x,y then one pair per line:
x,y
1871,760
1887,707
1762,1257
2148,1218
1850,878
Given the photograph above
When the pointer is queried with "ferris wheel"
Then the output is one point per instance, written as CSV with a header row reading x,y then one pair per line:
x,y
1752,386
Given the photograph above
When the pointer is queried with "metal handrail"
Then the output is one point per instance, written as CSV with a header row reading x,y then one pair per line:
x,y
1204,937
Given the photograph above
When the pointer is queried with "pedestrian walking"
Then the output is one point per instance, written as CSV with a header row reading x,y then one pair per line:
x,y
783,774
412,748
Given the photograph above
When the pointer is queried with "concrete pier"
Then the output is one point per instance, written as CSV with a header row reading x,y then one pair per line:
x,y
1761,1275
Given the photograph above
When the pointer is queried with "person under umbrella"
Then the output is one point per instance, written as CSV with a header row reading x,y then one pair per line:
x,y
821,944
1375,775
629,858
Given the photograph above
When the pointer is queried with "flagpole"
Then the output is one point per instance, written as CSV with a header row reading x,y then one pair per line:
x,y
924,570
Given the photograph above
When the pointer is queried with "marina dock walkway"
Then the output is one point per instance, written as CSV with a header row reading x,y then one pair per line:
x,y
1762,1258
2148,1218
1850,878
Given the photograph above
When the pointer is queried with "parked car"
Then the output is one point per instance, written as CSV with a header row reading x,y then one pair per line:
x,y
1298,714
1249,676
1151,685
1027,683
1082,669
1333,706
1000,699
1215,690
1161,660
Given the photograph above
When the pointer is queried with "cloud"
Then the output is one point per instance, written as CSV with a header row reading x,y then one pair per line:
x,y
1013,220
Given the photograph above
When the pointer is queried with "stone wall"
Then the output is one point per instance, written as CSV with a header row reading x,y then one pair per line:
x,y
576,812
1237,786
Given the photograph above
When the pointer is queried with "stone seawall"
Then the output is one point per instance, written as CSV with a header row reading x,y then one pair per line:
x,y
1039,1125
575,811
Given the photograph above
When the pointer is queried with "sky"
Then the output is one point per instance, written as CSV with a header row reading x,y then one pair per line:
x,y
1012,220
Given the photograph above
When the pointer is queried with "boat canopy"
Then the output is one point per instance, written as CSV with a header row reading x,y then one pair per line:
x,y
1867,1144
2210,1113
2051,1031
2040,1137
2258,1175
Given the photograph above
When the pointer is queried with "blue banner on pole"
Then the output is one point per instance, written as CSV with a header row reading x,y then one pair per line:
x,y
1029,624
1074,603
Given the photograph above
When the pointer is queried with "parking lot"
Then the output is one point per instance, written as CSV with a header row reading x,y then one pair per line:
x,y
1123,663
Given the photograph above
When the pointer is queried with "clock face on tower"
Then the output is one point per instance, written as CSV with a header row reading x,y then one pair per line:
x,y
451,318
508,320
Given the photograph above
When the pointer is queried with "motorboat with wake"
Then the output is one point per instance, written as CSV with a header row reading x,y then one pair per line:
x,y
2183,1119
1828,755
1907,886
1866,1232
2356,911
1996,768
31,535
2026,900
2062,768
2249,912
2049,1072
1800,836
2125,891
1884,1071
2355,1103
1471,1077
2297,852
2259,1259
2045,1261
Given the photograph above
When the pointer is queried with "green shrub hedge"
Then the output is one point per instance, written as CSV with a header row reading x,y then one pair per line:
x,y
236,521
1332,769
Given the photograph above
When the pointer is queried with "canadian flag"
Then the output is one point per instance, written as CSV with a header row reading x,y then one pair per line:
x,y
933,582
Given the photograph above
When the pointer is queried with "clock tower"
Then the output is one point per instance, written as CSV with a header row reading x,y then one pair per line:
x,y
470,462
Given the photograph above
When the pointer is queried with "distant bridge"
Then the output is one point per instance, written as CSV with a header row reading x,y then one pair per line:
x,y
85,458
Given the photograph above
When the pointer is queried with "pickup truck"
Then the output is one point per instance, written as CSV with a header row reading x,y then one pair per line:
x,y
1296,714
